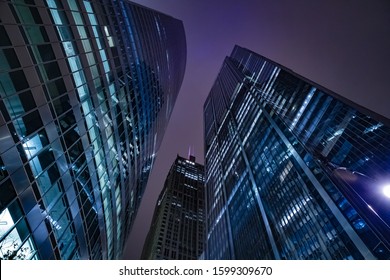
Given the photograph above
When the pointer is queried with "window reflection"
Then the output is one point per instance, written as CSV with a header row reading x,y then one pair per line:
x,y
15,242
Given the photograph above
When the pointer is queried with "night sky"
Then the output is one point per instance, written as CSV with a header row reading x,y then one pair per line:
x,y
341,45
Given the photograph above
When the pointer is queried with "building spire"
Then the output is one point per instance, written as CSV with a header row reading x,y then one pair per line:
x,y
191,155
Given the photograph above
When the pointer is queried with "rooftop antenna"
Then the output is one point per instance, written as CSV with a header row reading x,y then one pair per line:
x,y
191,156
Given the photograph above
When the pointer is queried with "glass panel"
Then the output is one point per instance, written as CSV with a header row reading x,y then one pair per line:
x,y
14,107
18,105
12,237
59,17
91,59
3,171
46,182
27,100
52,70
6,86
65,33
70,48
36,34
5,41
79,78
22,229
46,53
33,146
52,195
56,88
46,158
19,80
82,32
73,5
7,193
25,15
86,45
6,222
27,251
15,211
61,105
75,63
67,121
9,245
54,4
28,124
8,59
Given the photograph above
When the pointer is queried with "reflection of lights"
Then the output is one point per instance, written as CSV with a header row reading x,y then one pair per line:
x,y
386,191
372,209
372,128
293,211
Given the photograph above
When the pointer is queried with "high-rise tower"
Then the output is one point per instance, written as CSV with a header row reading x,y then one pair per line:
x,y
87,89
177,229
293,170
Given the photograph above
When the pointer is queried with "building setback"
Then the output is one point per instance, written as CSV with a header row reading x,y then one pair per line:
x,y
177,229
87,89
293,170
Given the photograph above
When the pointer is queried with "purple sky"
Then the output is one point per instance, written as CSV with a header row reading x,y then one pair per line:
x,y
341,45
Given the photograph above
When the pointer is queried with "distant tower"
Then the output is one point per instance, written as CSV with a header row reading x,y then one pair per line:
x,y
177,229
293,170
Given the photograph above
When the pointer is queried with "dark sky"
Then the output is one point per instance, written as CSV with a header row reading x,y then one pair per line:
x,y
343,45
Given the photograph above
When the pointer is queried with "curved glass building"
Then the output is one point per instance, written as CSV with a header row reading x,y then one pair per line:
x,y
293,170
87,89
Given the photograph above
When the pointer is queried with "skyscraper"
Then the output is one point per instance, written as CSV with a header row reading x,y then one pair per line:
x,y
87,89
177,229
293,170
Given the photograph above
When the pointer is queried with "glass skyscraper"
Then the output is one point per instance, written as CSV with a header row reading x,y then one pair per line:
x,y
293,170
177,229
87,89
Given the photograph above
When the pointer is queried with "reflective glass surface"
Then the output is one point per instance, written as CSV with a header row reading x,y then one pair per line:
x,y
87,89
293,171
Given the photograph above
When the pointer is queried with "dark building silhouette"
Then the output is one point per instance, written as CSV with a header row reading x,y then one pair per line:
x,y
293,170
87,89
177,229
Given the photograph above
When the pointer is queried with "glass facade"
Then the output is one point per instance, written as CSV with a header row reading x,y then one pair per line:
x,y
177,229
87,89
293,171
